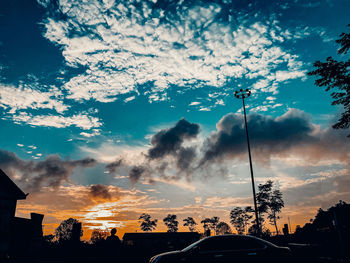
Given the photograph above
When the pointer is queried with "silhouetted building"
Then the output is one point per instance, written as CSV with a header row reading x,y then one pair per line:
x,y
26,234
9,194
16,233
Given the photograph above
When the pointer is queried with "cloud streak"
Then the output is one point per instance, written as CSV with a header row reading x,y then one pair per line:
x,y
33,175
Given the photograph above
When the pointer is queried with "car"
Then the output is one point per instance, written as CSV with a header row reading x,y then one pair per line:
x,y
227,248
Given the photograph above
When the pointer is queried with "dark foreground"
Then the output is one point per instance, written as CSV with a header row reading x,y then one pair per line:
x,y
83,252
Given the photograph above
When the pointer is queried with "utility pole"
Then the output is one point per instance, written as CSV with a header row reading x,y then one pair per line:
x,y
243,94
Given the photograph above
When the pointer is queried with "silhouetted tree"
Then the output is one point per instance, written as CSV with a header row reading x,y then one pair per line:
x,y
146,223
223,228
206,223
214,221
98,235
210,223
275,207
240,218
336,74
49,239
325,219
171,223
269,200
190,223
253,230
65,230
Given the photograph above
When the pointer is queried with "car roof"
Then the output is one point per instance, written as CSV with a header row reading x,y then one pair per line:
x,y
240,237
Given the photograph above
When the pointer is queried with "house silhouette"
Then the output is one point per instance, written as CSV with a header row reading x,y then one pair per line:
x,y
16,233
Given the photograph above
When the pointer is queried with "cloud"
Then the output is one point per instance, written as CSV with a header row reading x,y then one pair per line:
x,y
325,192
100,191
94,132
176,152
165,144
24,97
81,120
226,202
136,172
127,44
169,141
112,167
268,135
33,175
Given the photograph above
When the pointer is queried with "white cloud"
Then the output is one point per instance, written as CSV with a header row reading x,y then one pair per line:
x,y
21,97
286,75
194,103
132,47
129,99
205,109
220,102
94,132
58,121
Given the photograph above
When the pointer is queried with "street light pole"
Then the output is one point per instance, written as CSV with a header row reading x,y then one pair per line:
x,y
242,94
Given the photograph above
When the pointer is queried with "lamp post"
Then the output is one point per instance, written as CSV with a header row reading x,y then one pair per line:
x,y
243,94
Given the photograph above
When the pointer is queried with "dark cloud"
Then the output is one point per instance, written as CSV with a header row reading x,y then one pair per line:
x,y
112,167
169,141
291,133
136,172
186,157
165,143
267,135
100,191
52,171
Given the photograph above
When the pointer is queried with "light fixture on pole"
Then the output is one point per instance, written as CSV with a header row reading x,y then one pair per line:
x,y
243,94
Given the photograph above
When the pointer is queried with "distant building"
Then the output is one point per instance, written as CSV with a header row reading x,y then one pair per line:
x,y
15,232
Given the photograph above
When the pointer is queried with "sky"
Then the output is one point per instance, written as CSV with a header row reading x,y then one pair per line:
x,y
109,109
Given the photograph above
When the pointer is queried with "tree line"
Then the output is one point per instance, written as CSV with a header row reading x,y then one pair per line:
x,y
269,203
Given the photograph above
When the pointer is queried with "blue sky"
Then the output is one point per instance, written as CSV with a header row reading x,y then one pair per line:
x,y
100,80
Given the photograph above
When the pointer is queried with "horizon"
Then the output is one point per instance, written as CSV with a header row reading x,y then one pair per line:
x,y
112,109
